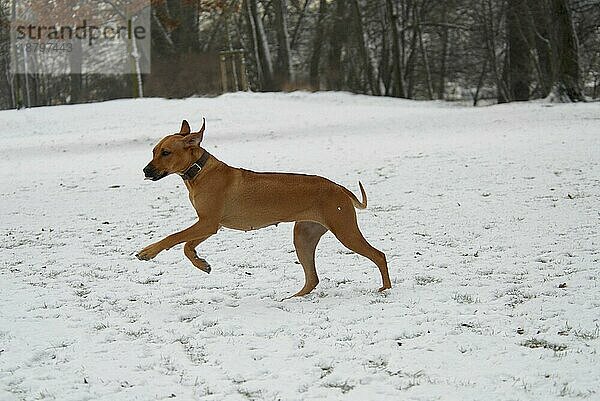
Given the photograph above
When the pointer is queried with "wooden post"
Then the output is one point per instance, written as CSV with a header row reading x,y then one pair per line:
x,y
234,67
243,72
224,73
238,76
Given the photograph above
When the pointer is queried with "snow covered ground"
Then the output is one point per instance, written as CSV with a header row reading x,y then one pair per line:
x,y
489,217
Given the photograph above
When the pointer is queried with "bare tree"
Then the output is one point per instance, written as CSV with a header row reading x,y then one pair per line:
x,y
518,62
566,51
362,47
283,71
337,39
264,52
398,81
315,59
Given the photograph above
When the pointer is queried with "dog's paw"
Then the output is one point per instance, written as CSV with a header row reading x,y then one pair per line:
x,y
148,253
202,264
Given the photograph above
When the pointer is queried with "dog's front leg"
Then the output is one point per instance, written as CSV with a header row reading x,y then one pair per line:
x,y
198,232
189,249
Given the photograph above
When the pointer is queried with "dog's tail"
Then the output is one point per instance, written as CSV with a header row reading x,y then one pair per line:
x,y
357,204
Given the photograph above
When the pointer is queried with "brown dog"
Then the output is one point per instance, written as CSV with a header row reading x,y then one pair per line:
x,y
225,196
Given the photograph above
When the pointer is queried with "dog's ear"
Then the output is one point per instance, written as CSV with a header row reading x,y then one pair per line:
x,y
201,132
195,138
185,128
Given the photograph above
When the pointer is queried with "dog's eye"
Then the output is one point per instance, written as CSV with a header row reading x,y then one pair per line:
x,y
165,153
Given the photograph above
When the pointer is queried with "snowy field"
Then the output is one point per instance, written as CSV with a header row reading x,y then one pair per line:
x,y
489,218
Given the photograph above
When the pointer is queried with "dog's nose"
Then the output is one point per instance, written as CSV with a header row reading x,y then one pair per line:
x,y
149,170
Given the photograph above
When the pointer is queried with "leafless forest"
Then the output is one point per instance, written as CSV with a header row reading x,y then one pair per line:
x,y
478,51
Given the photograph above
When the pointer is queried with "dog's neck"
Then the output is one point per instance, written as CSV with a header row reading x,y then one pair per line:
x,y
192,171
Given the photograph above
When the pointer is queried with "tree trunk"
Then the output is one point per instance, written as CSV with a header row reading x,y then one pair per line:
x,y
163,42
15,55
490,43
566,52
362,48
315,58
539,22
283,74
255,45
480,82
384,71
75,65
518,63
423,49
299,25
410,61
442,77
185,34
398,84
138,72
337,39
263,48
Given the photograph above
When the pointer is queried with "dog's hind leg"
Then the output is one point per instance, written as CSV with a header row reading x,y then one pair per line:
x,y
189,249
346,230
306,237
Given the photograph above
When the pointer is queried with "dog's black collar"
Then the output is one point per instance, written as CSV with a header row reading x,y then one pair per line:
x,y
195,168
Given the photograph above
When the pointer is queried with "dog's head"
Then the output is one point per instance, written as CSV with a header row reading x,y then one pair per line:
x,y
175,153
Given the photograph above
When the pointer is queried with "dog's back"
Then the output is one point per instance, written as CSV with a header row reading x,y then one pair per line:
x,y
257,199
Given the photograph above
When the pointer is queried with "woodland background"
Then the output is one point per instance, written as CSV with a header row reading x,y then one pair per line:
x,y
479,51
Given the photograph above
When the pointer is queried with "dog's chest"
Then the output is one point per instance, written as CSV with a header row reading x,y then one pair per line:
x,y
196,203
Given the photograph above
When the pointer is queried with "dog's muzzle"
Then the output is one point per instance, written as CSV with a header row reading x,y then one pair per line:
x,y
150,173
